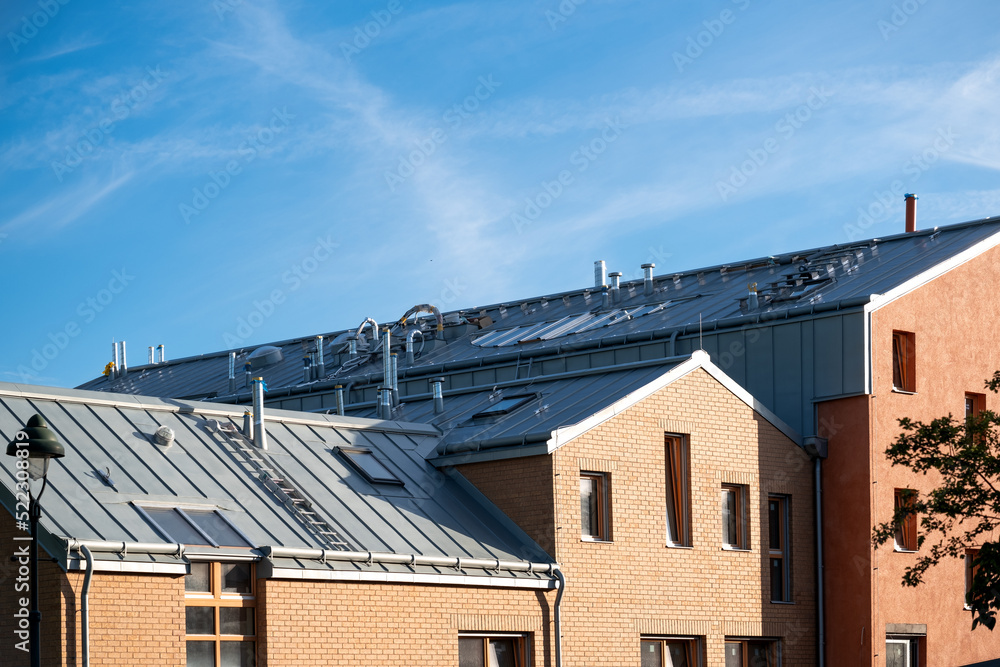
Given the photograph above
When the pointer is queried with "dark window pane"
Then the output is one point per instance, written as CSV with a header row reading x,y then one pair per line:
x,y
236,621
370,466
734,654
651,654
729,516
217,528
238,654
236,578
774,521
502,653
200,620
470,652
200,580
201,654
677,654
777,579
588,507
177,529
760,654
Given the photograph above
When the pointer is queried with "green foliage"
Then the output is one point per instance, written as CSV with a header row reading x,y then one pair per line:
x,y
962,511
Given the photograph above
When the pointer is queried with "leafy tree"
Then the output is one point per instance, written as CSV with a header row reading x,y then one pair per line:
x,y
963,512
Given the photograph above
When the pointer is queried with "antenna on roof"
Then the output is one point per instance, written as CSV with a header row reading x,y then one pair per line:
x,y
701,343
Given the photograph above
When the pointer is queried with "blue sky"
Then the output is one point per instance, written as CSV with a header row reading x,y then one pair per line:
x,y
209,175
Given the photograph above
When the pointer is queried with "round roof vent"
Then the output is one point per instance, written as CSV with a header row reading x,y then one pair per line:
x,y
164,436
264,356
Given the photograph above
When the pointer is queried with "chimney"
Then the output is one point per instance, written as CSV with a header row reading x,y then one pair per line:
x,y
320,363
162,353
115,361
616,277
647,278
123,369
339,389
438,395
600,274
259,434
152,359
232,371
911,212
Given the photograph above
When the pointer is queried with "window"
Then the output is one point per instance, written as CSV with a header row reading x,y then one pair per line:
x,y
752,653
678,496
504,406
974,404
595,522
670,652
734,516
492,650
220,608
971,568
777,548
902,652
371,468
186,525
906,526
903,357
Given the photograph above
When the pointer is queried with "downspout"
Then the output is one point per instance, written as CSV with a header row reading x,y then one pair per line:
x,y
819,563
85,603
558,617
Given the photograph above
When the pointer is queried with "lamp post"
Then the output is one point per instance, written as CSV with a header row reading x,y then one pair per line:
x,y
34,446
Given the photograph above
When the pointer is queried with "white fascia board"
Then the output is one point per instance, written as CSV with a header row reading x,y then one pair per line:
x,y
128,567
699,359
879,300
410,578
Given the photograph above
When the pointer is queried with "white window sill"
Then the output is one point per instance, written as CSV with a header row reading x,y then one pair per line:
x,y
596,540
782,602
728,548
900,550
678,546
896,390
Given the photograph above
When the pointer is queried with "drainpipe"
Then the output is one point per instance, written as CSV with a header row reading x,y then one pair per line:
x,y
558,616
259,434
819,563
85,603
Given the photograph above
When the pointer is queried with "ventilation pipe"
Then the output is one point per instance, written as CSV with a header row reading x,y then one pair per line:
x,y
357,334
339,391
232,372
306,368
438,395
352,348
162,352
113,375
425,308
394,379
600,274
259,434
911,212
411,354
123,370
616,294
384,403
320,364
248,424
605,298
752,300
247,366
647,278
151,359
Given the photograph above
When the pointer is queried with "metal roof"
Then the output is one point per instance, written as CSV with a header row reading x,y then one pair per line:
x,y
789,285
113,464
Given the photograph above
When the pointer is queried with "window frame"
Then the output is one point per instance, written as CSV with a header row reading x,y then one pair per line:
x,y
905,538
601,486
348,454
692,647
677,491
740,493
904,362
180,511
912,644
522,645
782,551
494,410
217,599
773,648
970,572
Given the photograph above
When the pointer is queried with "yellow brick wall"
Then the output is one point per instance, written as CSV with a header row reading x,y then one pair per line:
x,y
637,585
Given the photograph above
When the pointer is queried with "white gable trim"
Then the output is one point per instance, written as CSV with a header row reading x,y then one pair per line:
x,y
699,359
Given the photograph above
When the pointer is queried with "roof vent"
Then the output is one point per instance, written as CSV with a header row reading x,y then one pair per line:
x,y
164,436
911,213
264,356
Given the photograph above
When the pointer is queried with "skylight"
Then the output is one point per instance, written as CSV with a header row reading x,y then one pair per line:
x,y
504,406
194,526
371,468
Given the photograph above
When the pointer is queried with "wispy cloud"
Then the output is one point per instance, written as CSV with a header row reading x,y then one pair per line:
x,y
57,212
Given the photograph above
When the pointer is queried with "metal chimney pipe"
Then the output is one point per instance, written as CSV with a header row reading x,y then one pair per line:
x,y
600,274
163,353
248,424
339,390
605,298
753,302
259,433
438,395
386,360
306,368
911,212
352,347
124,367
152,359
114,360
320,364
384,403
232,372
394,378
246,374
647,278
615,286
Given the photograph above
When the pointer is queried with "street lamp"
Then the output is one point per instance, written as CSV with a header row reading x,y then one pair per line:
x,y
36,445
